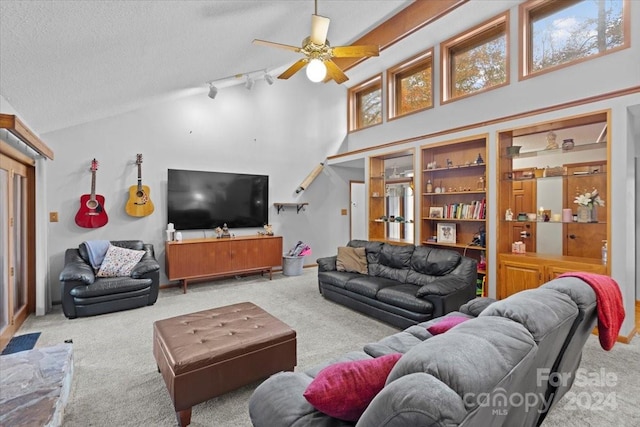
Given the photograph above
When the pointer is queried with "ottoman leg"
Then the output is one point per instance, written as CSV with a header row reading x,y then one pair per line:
x,y
184,417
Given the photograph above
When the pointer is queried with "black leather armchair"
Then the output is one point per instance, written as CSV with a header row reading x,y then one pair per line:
x,y
84,294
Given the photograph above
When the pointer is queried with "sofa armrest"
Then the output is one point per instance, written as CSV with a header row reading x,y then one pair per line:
x,y
147,264
416,399
327,263
447,294
441,286
476,306
76,269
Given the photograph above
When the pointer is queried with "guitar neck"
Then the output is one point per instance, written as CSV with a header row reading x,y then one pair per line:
x,y
93,185
139,177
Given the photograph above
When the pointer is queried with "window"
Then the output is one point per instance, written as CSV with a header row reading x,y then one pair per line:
x,y
410,85
558,33
476,60
365,104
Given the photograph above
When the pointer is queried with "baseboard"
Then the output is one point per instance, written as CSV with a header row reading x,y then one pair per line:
x,y
621,338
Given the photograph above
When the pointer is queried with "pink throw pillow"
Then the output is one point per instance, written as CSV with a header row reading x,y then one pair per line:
x,y
344,390
445,324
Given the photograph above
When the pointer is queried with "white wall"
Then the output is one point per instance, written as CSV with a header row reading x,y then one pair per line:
x,y
269,130
609,73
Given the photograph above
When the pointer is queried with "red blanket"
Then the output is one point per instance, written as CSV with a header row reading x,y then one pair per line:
x,y
610,308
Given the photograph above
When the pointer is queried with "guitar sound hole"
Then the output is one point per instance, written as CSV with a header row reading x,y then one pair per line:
x,y
139,194
92,204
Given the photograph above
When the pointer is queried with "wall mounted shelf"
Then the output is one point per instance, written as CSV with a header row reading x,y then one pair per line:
x,y
298,206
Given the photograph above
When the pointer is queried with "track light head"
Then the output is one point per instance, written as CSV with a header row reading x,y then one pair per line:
x,y
249,83
268,78
213,91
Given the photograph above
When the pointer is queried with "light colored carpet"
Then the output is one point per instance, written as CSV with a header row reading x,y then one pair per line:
x,y
116,382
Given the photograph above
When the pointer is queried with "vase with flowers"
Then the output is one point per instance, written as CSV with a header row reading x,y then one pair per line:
x,y
588,203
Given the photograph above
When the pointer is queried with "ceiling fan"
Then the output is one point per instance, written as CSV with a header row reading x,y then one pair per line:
x,y
318,53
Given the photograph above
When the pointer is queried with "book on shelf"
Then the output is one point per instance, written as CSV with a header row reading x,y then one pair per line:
x,y
477,209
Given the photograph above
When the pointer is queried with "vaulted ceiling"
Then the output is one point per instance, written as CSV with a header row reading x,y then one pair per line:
x,y
67,62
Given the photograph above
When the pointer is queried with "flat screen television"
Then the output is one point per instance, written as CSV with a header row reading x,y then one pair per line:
x,y
205,200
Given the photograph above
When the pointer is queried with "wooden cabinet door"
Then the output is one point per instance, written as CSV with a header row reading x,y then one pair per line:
x,y
516,276
584,240
523,200
241,254
552,271
270,252
250,254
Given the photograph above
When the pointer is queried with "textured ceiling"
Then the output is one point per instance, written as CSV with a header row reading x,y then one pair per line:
x,y
63,63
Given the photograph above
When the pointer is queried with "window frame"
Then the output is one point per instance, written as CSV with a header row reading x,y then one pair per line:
x,y
525,61
354,95
411,66
471,37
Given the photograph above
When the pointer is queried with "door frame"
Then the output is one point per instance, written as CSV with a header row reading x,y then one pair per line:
x,y
15,159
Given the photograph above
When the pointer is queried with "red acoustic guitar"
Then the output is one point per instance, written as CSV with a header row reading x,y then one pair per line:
x,y
91,213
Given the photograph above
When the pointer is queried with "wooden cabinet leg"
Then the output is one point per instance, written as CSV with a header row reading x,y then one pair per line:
x,y
184,417
184,286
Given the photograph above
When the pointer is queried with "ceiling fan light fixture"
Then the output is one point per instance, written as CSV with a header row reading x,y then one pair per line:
x,y
316,70
213,91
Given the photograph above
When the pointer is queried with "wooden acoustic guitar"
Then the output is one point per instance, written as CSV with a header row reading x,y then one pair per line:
x,y
139,203
91,213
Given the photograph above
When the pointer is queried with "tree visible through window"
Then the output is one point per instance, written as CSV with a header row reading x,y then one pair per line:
x,y
365,104
413,89
369,107
476,60
563,32
480,67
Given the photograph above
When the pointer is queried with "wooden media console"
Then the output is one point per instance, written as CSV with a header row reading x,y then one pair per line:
x,y
202,258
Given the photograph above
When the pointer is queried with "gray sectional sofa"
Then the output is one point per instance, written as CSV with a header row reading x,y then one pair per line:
x,y
470,375
404,284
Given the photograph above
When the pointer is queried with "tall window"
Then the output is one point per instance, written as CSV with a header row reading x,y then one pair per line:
x,y
476,60
411,85
365,104
562,32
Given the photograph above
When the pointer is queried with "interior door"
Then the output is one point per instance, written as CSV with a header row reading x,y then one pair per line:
x,y
14,261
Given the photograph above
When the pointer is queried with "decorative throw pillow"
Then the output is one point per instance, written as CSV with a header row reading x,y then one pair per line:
x,y
344,390
352,260
118,262
445,324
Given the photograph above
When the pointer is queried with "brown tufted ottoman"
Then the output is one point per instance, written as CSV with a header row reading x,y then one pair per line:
x,y
205,354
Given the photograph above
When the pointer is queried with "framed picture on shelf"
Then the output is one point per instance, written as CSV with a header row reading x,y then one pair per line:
x,y
436,212
446,232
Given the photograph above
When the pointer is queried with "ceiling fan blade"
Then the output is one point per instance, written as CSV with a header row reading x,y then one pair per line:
x,y
334,72
319,29
278,45
355,51
293,69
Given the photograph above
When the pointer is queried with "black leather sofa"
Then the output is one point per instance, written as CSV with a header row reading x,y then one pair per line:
x,y
84,294
405,284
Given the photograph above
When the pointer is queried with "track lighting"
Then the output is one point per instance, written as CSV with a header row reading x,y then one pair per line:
x,y
213,91
248,79
249,83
